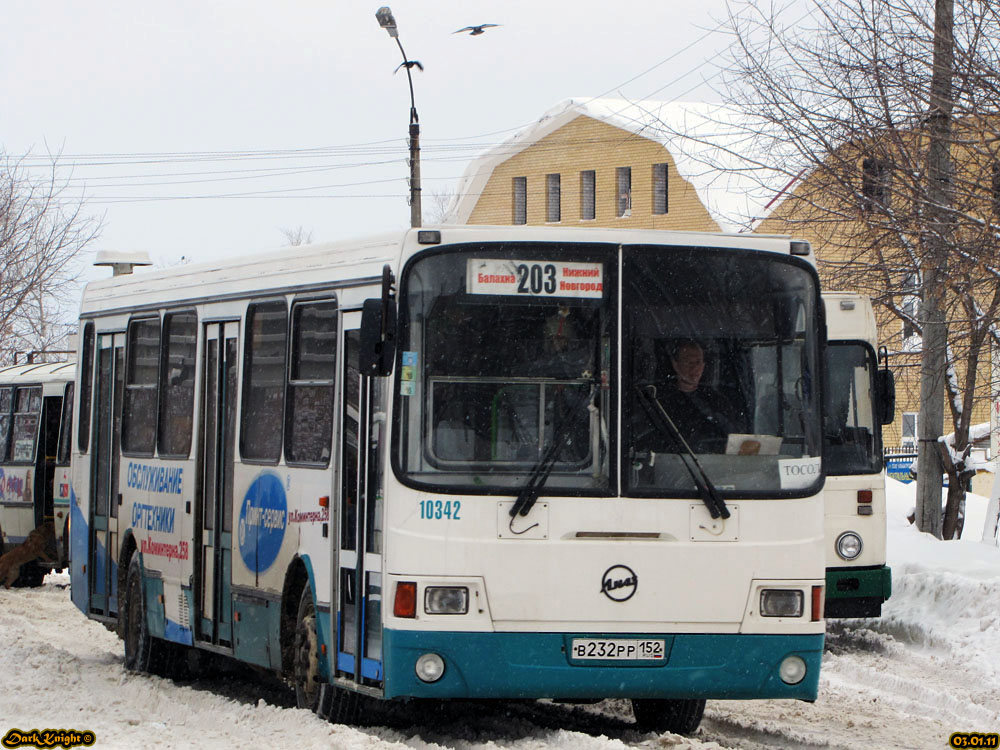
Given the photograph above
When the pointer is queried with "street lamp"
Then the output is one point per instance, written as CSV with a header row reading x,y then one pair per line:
x,y
387,22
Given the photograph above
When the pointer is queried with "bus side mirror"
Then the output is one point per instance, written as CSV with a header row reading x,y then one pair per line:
x,y
378,331
886,396
377,342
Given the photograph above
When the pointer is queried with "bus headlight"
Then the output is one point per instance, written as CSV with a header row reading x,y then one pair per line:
x,y
446,600
780,603
849,545
792,670
430,667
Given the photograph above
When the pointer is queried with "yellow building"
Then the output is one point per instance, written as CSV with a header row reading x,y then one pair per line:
x,y
606,163
838,211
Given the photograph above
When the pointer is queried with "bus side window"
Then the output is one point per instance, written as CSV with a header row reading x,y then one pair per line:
x,y
66,427
142,378
309,399
6,402
86,386
177,368
264,381
27,410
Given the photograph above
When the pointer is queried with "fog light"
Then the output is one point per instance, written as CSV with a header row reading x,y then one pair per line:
x,y
446,600
780,603
430,667
849,545
792,670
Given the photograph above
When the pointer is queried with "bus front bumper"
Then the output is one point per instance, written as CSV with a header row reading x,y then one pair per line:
x,y
539,665
857,592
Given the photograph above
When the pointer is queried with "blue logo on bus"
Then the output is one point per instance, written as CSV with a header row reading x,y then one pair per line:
x,y
263,518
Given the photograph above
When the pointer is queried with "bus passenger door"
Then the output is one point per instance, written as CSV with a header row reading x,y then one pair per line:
x,y
359,620
107,422
214,522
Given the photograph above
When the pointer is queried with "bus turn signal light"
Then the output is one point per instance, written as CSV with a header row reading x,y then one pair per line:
x,y
405,604
817,603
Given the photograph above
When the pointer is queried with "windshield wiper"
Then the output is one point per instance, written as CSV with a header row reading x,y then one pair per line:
x,y
529,492
662,421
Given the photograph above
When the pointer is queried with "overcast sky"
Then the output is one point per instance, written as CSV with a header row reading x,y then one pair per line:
x,y
202,128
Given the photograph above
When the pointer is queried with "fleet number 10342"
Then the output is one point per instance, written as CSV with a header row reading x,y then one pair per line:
x,y
436,510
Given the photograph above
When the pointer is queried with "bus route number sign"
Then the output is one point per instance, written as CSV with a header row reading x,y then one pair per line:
x,y
618,649
535,278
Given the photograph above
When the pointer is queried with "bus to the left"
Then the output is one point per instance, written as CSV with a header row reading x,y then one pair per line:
x,y
36,411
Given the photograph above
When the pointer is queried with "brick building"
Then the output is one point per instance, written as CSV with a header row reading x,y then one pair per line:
x,y
607,163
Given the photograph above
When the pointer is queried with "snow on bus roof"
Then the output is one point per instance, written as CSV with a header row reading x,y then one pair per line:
x,y
38,372
706,141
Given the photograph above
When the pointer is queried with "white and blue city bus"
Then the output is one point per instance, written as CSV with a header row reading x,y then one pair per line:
x,y
36,409
448,464
860,399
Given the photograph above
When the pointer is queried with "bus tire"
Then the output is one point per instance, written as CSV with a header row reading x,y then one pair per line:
x,y
64,552
32,576
341,706
305,669
135,630
680,716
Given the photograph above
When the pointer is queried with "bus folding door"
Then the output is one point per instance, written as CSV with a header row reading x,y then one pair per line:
x,y
106,458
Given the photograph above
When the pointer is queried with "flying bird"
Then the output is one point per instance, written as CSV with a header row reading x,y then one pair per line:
x,y
476,30
408,64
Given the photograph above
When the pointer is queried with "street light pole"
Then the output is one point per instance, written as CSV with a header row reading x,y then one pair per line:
x,y
388,22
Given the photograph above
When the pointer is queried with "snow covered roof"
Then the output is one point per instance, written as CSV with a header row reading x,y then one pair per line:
x,y
704,140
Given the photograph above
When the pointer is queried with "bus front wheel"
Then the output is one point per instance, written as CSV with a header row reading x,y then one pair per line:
x,y
680,716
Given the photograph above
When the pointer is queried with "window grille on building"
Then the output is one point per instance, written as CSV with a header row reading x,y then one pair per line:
x,y
624,175
875,178
520,200
659,188
587,199
553,211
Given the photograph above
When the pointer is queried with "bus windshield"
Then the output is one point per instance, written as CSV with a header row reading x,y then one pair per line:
x,y
721,369
509,362
850,434
505,348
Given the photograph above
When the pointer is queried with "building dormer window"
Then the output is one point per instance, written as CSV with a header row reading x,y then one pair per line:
x,y
553,210
587,194
520,189
624,207
875,180
660,204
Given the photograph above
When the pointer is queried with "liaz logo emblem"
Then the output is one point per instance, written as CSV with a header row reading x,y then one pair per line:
x,y
619,583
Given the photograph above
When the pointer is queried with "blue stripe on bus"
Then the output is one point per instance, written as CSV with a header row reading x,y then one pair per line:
x,y
174,631
536,665
78,535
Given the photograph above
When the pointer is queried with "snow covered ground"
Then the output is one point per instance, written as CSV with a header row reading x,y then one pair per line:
x,y
929,667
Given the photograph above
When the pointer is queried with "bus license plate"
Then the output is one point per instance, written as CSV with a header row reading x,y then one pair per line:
x,y
618,649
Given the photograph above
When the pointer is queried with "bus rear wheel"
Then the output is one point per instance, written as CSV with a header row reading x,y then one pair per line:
x,y
138,641
680,716
306,665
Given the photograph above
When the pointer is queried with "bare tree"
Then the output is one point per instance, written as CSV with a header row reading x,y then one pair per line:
x,y
297,236
440,201
837,113
41,233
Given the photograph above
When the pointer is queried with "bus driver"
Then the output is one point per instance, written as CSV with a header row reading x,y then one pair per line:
x,y
702,415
